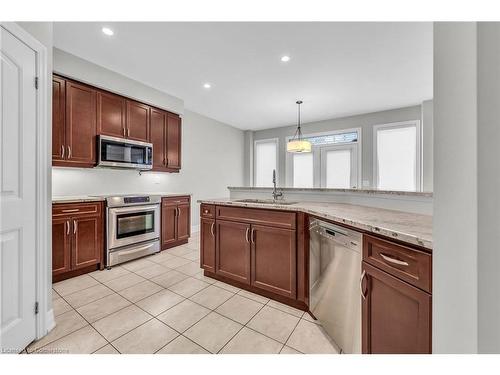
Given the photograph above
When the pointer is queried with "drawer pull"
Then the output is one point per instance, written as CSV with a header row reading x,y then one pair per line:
x,y
394,260
74,210
361,285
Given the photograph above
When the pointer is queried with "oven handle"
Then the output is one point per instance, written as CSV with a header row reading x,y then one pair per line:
x,y
135,250
134,208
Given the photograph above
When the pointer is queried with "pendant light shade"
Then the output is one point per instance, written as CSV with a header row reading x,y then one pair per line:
x,y
298,144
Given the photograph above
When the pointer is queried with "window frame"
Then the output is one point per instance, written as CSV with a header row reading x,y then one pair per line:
x,y
254,172
353,147
317,159
418,145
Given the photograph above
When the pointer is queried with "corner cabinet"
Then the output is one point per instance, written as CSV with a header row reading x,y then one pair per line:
x,y
77,238
80,112
255,249
396,298
175,221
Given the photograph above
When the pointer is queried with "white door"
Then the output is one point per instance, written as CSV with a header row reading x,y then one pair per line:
x,y
339,167
17,193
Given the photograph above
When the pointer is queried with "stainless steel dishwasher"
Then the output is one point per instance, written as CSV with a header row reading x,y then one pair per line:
x,y
334,272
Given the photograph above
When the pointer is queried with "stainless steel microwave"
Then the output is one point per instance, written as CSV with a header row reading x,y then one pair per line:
x,y
124,153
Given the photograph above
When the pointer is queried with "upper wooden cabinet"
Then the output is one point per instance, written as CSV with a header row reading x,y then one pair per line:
x,y
173,141
81,112
137,121
74,124
111,114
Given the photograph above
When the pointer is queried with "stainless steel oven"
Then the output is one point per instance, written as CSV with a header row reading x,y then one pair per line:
x,y
124,153
133,227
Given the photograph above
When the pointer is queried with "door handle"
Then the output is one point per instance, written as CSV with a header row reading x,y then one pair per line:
x,y
67,227
252,237
393,260
212,227
75,226
62,151
361,285
246,235
69,152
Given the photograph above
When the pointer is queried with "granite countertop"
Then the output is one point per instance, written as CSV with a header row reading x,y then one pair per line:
x,y
329,190
91,198
415,229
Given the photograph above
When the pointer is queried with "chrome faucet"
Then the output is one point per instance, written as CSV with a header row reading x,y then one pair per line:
x,y
276,194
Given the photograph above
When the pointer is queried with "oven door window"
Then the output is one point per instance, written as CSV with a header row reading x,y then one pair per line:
x,y
133,224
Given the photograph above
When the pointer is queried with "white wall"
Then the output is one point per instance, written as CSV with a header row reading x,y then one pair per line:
x,y
365,122
455,220
488,186
212,159
75,67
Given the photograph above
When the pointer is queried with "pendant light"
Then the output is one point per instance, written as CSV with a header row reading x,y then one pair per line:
x,y
297,143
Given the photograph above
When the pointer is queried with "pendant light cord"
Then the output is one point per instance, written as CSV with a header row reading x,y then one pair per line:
x,y
298,132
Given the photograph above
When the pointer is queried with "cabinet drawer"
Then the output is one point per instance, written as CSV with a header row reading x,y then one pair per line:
x,y
176,200
75,209
207,210
408,264
275,218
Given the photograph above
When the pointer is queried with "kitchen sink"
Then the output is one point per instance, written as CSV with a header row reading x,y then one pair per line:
x,y
265,201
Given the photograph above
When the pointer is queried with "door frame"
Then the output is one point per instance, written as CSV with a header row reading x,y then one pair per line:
x,y
44,319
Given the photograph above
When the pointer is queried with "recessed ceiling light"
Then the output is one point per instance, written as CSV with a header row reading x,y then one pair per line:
x,y
107,31
207,85
285,58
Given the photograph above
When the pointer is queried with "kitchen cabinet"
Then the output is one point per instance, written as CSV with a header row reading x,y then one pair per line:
x,y
81,112
74,124
175,221
173,157
254,248
396,313
137,121
77,238
111,114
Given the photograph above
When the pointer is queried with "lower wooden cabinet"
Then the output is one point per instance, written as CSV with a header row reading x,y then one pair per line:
x,y
258,250
77,238
175,221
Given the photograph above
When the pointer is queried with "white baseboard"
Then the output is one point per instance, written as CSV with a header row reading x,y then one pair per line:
x,y
195,228
51,322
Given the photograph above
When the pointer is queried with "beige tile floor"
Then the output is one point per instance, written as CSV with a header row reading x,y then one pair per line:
x,y
163,304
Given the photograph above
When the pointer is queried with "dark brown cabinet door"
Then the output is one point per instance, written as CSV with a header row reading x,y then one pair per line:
x,y
137,121
233,250
87,234
58,118
274,260
168,223
158,138
80,125
396,315
183,222
111,111
207,244
173,141
61,245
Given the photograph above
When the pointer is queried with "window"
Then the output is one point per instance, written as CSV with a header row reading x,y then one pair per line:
x,y
265,160
303,176
397,155
333,162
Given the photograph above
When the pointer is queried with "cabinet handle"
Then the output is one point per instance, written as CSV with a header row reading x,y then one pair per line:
x,y
212,227
67,227
128,132
394,260
166,163
178,212
124,133
361,285
253,235
246,235
75,226
69,152
62,151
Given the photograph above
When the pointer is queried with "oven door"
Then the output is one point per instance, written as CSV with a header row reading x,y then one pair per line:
x,y
123,153
130,225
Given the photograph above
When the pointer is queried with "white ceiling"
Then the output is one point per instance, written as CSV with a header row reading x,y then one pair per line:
x,y
337,69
